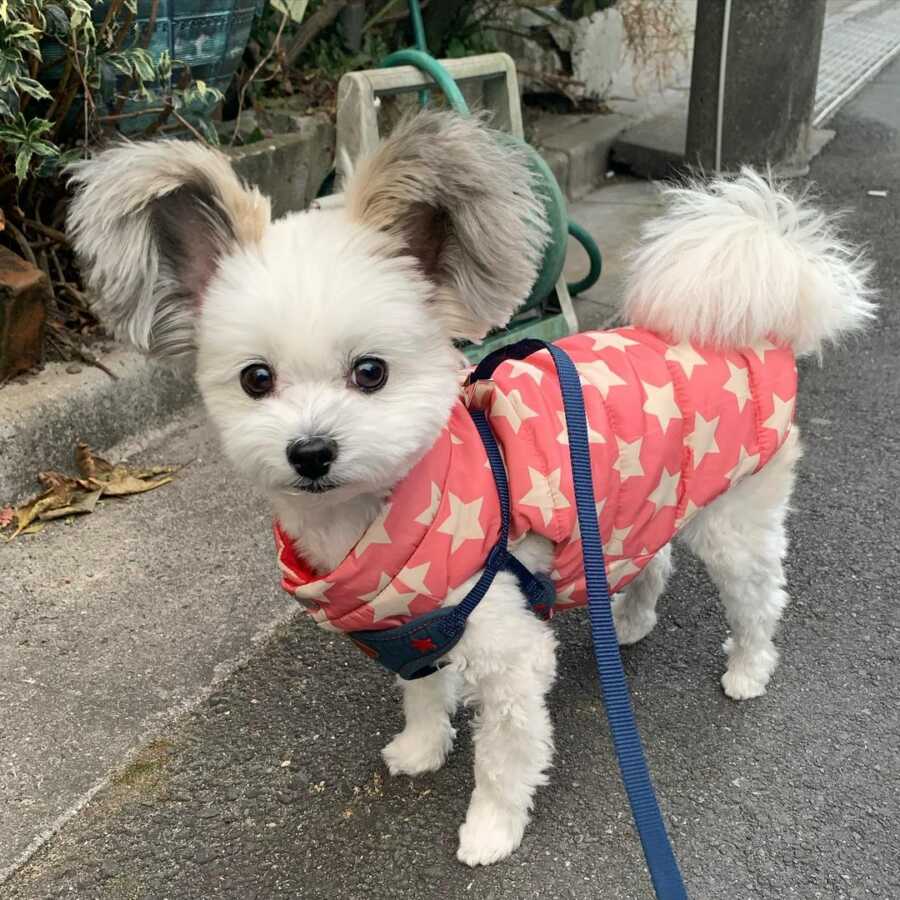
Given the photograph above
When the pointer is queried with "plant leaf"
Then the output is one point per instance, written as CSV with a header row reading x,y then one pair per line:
x,y
23,158
34,88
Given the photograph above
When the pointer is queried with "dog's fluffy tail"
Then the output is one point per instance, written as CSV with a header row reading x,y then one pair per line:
x,y
738,260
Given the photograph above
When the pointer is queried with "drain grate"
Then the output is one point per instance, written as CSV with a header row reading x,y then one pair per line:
x,y
854,50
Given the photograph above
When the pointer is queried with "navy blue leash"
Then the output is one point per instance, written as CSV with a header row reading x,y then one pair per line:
x,y
439,630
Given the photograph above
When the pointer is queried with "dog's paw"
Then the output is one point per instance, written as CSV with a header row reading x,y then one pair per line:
x,y
414,751
741,685
748,673
489,834
632,625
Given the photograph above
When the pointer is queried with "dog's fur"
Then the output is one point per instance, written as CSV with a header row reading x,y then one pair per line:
x,y
440,238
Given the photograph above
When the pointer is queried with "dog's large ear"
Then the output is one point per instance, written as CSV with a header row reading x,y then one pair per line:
x,y
463,204
150,223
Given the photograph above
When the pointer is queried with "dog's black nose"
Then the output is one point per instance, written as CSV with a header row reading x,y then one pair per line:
x,y
312,457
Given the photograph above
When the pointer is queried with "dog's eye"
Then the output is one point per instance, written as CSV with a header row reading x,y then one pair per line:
x,y
369,374
257,380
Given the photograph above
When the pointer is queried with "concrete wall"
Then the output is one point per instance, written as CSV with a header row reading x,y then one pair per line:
x,y
601,57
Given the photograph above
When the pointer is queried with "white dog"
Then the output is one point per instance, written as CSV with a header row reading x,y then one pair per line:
x,y
323,345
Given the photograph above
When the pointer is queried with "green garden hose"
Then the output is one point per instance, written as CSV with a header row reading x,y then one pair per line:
x,y
593,253
554,202
425,62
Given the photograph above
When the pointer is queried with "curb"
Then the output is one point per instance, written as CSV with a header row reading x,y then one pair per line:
x,y
42,418
578,148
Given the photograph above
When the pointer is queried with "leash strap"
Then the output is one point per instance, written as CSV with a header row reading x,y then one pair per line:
x,y
413,650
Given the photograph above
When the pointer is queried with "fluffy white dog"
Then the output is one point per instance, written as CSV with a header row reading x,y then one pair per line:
x,y
323,345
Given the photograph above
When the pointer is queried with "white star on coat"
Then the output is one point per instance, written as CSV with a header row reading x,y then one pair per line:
x,y
414,577
745,465
519,367
620,570
604,339
666,491
375,534
426,517
462,524
615,546
314,591
599,375
628,462
738,384
686,357
661,403
392,603
511,407
781,416
545,493
565,595
702,439
383,581
759,350
594,437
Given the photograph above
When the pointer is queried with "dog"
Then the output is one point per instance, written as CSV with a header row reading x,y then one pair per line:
x,y
325,348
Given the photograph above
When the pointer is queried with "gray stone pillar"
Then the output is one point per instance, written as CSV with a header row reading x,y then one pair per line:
x,y
771,63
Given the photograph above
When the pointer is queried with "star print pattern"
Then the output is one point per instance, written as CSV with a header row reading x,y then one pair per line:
x,y
738,384
376,534
462,524
511,407
782,416
661,403
670,426
545,493
686,356
519,367
599,375
702,439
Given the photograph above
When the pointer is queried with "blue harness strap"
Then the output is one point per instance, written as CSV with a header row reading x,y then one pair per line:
x,y
444,627
414,649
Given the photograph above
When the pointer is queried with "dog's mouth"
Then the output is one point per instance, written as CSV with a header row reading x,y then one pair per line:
x,y
314,486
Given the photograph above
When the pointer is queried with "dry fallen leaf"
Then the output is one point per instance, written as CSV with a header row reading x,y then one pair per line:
x,y
81,503
64,495
121,483
89,464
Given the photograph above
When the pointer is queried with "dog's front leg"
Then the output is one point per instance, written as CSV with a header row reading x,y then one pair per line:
x,y
507,659
428,704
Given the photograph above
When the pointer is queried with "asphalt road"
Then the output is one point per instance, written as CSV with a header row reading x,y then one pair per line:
x,y
273,787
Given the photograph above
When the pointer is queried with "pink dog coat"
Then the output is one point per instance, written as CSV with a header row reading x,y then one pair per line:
x,y
671,427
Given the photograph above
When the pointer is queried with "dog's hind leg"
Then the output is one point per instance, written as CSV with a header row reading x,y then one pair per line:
x,y
427,738
634,610
742,541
